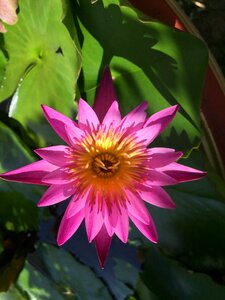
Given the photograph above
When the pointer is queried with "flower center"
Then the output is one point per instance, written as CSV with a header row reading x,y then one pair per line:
x,y
105,164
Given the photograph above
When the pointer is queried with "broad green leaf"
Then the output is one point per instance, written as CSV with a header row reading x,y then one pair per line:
x,y
193,232
168,280
43,65
34,284
69,276
2,65
13,293
149,61
18,210
126,272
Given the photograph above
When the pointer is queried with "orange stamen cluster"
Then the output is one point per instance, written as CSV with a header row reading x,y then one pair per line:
x,y
108,160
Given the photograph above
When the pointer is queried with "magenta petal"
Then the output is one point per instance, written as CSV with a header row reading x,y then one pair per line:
x,y
59,176
75,205
157,123
113,215
108,226
122,226
136,116
58,122
113,115
86,115
182,173
159,178
69,226
149,231
147,134
105,95
93,221
56,194
32,173
137,208
162,156
74,134
56,155
155,195
102,244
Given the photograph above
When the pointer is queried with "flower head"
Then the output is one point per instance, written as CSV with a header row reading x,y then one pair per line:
x,y
107,168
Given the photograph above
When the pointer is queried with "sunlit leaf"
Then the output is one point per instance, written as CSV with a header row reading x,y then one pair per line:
x,y
149,61
43,65
64,274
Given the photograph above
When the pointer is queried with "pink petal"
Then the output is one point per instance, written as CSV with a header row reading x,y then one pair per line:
x,y
105,95
162,156
8,11
56,155
102,244
108,226
93,220
157,177
113,115
56,194
74,134
76,204
58,122
149,231
122,226
86,115
2,27
146,135
69,226
155,195
32,173
182,173
136,116
113,215
157,123
137,208
58,176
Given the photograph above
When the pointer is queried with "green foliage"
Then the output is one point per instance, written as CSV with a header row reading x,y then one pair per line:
x,y
149,61
43,64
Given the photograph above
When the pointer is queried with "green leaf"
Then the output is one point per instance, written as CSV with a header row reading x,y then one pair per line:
x,y
68,276
43,65
17,213
18,210
168,280
126,272
149,61
13,293
34,284
2,65
193,232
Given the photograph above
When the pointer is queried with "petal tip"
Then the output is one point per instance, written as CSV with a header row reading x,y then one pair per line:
x,y
60,241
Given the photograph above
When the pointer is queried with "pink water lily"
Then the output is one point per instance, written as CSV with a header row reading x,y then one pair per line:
x,y
107,168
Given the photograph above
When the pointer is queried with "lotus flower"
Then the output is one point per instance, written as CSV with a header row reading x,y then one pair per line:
x,y
107,168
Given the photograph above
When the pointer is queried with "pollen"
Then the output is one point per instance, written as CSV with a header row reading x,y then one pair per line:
x,y
105,165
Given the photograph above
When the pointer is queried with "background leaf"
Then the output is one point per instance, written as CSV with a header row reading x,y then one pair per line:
x,y
168,280
65,274
43,65
149,61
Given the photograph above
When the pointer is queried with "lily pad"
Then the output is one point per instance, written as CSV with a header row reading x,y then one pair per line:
x,y
43,65
68,276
